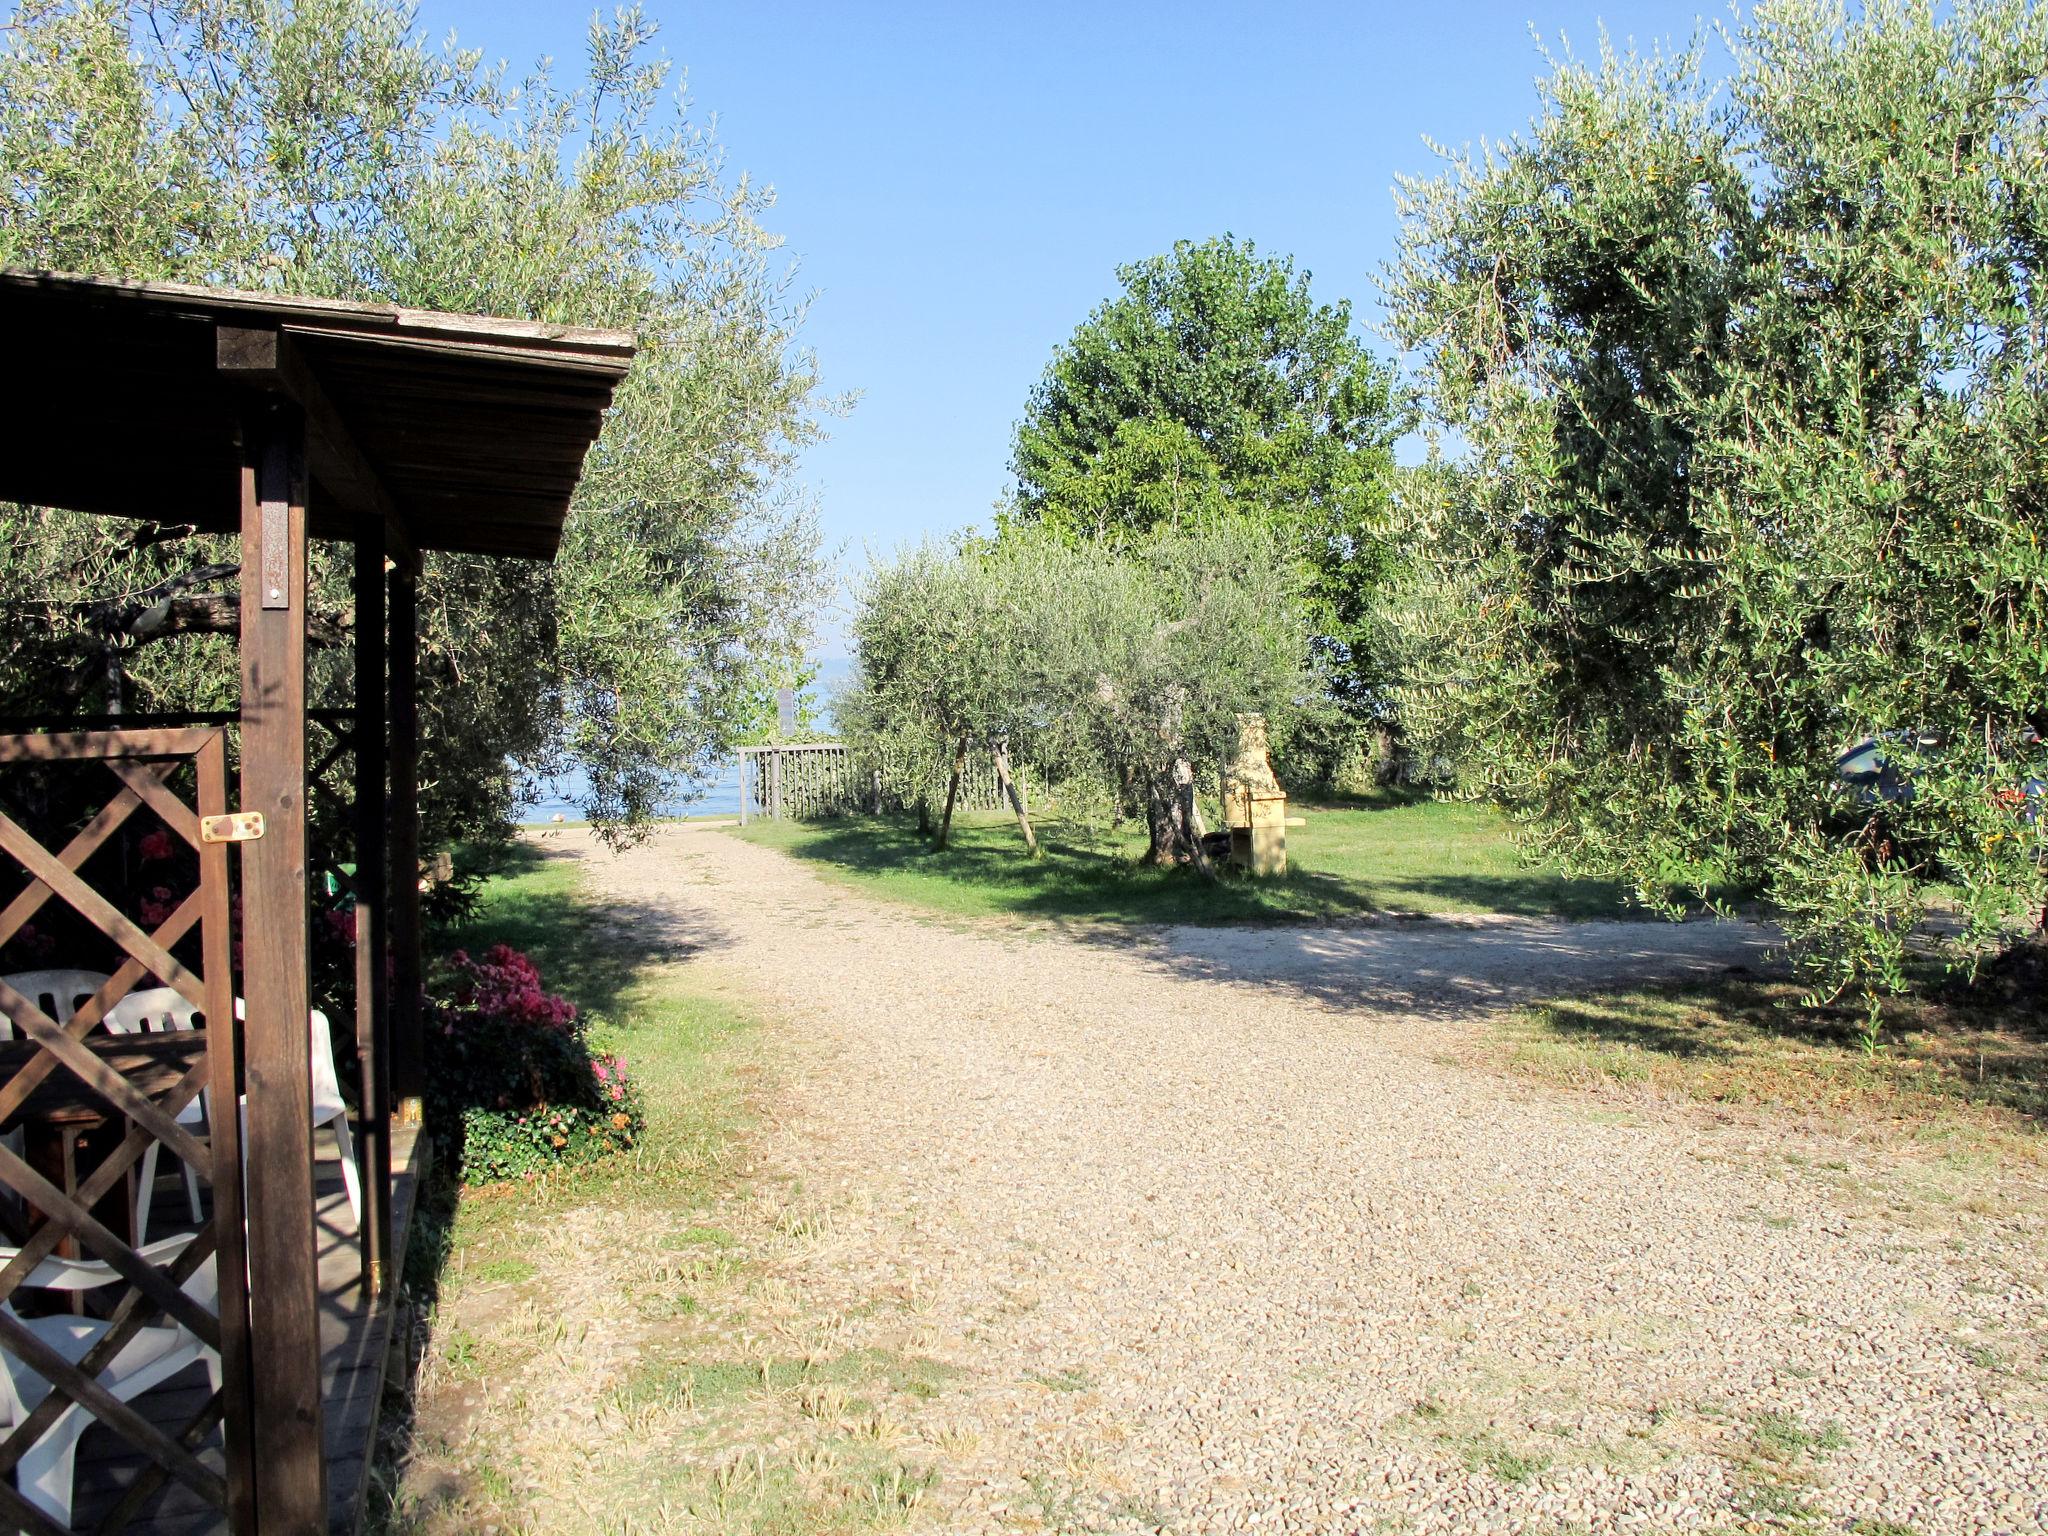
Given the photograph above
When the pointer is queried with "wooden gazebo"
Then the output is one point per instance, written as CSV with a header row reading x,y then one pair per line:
x,y
282,419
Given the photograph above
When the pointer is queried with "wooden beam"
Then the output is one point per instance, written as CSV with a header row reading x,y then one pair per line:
x,y
373,901
271,360
284,1318
408,1058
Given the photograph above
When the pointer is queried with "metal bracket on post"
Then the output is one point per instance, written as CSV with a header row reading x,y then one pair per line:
x,y
240,827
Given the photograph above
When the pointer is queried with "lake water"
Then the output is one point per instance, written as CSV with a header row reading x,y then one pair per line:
x,y
716,795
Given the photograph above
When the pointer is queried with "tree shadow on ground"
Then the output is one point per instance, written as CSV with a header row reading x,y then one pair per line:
x,y
1460,967
587,947
1340,872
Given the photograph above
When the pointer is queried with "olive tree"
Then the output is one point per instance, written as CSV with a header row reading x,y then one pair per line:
x,y
1119,668
939,643
1745,381
323,147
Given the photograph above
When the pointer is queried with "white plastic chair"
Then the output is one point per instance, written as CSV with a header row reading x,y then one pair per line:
x,y
165,1008
158,1010
57,993
329,1108
154,1355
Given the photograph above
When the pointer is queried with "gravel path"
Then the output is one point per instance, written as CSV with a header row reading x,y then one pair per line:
x,y
1219,1239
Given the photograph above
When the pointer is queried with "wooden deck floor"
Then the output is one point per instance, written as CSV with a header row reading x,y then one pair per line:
x,y
354,1339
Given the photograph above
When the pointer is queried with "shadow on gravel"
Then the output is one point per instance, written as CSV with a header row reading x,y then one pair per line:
x,y
1449,966
595,943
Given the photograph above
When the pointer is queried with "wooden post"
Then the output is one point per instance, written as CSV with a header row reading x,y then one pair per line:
x,y
952,793
284,1316
743,786
408,1060
775,785
230,1231
373,894
999,754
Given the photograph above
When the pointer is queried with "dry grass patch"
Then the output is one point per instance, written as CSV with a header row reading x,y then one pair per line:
x,y
1960,1080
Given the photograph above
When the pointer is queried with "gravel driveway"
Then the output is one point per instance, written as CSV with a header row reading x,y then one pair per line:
x,y
1216,1236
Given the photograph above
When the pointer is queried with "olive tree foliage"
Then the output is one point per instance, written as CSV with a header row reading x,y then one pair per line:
x,y
1214,385
1119,670
1747,380
941,643
324,147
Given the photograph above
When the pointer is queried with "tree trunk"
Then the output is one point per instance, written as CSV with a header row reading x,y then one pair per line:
x,y
1190,817
1159,808
952,794
999,749
1389,769
924,815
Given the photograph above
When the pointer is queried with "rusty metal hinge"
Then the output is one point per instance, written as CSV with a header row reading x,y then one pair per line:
x,y
241,827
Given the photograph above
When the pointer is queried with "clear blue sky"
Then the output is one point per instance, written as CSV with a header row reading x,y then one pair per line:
x,y
960,182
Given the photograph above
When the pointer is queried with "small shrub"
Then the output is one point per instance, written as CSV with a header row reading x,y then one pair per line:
x,y
514,1089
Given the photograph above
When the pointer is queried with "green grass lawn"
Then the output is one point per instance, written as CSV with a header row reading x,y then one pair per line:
x,y
687,1042
1348,861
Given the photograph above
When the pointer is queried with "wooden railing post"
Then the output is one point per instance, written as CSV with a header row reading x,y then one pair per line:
x,y
373,895
408,1062
284,1318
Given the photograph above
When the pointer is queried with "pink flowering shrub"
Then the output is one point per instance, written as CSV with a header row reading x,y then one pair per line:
x,y
514,1088
506,984
157,904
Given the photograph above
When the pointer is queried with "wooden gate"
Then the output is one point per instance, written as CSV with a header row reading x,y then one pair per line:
x,y
132,1086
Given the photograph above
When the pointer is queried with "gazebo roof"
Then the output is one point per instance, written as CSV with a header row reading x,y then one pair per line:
x,y
454,432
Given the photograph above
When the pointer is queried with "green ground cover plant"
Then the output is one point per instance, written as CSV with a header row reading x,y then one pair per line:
x,y
515,1085
1365,857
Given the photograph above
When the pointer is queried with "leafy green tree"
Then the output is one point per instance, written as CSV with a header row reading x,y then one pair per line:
x,y
1746,377
1214,384
322,147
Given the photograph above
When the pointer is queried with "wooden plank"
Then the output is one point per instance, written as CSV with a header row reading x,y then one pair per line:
x,y
372,893
76,852
408,1060
130,1315
78,1219
359,1358
69,746
122,1516
87,1065
349,316
284,1318
147,780
110,1410
30,1077
355,1334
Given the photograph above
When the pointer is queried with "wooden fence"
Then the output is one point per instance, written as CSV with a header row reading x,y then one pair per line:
x,y
800,780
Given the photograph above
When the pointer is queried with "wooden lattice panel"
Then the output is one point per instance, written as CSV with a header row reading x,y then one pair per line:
x,y
142,1083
